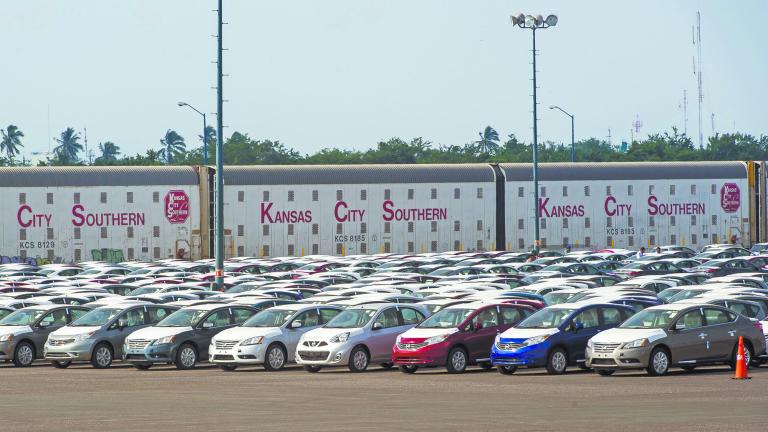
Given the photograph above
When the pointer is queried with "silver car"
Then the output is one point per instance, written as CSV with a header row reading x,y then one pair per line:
x,y
358,336
98,336
270,337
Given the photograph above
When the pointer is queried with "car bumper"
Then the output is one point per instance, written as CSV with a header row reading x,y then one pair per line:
x,y
6,350
528,356
71,352
630,358
431,355
150,354
249,354
328,355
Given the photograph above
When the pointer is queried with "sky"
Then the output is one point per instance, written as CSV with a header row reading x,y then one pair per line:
x,y
350,73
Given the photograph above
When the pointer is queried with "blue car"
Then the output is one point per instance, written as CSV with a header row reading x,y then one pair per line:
x,y
555,337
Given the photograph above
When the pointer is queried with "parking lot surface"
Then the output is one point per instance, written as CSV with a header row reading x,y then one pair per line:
x,y
83,399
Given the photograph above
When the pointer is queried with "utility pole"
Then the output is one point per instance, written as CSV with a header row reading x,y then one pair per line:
x,y
219,202
698,73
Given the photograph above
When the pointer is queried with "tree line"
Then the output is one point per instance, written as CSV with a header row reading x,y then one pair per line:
x,y
241,149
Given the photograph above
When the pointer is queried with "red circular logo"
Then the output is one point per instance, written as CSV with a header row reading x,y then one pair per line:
x,y
730,197
177,206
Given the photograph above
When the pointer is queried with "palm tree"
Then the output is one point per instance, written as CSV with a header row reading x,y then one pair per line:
x,y
109,151
68,147
489,141
11,141
210,135
173,144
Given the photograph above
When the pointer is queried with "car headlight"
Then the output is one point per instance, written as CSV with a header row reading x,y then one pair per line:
x,y
81,337
590,344
436,339
536,340
164,340
340,338
6,338
636,343
252,341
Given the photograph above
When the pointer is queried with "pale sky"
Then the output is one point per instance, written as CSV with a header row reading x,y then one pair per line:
x,y
348,73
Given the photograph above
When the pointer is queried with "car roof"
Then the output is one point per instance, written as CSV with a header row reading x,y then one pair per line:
x,y
304,306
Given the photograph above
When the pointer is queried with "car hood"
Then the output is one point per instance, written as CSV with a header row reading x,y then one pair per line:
x,y
15,330
241,333
151,333
621,335
325,334
418,335
74,331
527,333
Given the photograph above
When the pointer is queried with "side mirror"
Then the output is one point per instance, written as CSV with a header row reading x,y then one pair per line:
x,y
43,324
478,326
377,326
296,324
577,326
121,324
679,326
207,325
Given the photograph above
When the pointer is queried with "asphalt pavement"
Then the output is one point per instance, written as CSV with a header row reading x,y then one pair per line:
x,y
123,399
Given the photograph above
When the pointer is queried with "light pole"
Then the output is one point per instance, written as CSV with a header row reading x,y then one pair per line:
x,y
219,202
533,23
573,140
205,130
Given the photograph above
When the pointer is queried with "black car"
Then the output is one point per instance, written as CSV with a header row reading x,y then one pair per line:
x,y
724,267
640,268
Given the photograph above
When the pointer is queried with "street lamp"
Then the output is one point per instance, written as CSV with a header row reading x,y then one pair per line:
x,y
573,140
533,23
205,130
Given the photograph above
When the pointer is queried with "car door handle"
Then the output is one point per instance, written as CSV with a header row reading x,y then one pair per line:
x,y
702,335
732,333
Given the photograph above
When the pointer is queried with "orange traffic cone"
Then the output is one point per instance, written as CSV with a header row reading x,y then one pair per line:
x,y
741,362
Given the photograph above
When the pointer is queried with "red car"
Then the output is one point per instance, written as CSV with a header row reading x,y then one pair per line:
x,y
457,336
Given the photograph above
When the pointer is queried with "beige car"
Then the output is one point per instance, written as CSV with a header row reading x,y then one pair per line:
x,y
684,335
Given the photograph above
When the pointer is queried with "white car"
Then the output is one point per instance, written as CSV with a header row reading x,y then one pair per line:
x,y
270,337
358,336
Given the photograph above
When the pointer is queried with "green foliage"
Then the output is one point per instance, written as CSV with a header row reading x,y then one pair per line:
x,y
11,141
173,146
69,146
109,152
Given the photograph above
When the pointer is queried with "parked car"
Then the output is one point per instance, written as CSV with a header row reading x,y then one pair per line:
x,y
680,334
358,336
268,338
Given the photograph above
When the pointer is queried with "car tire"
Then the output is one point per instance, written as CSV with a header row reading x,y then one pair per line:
x,y
101,358
58,364
605,372
557,361
457,361
409,369
312,368
387,365
658,362
359,359
142,366
275,358
506,370
228,367
23,355
748,356
186,357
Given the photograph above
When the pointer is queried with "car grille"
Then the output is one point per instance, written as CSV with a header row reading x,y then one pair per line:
x,y
315,343
509,346
223,357
607,362
225,344
411,346
137,344
314,355
605,348
56,355
58,342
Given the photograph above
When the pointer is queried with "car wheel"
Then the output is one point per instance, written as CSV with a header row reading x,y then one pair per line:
x,y
605,372
386,365
688,369
557,361
506,370
142,366
457,360
275,358
186,357
747,355
61,364
409,369
312,368
659,362
102,356
358,359
24,355
228,367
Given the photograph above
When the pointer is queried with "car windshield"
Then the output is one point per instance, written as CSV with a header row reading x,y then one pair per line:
x,y
446,318
546,318
183,318
650,318
554,298
5,312
96,317
634,266
442,271
686,294
242,288
145,290
353,318
666,294
555,267
269,318
22,317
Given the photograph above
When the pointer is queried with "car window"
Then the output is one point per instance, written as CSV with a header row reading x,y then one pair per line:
x,y
716,316
587,318
156,314
309,318
487,318
264,305
692,319
133,317
328,314
411,316
77,313
510,315
55,318
241,315
611,316
388,318
219,318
